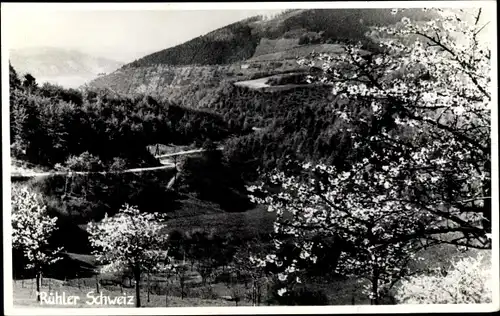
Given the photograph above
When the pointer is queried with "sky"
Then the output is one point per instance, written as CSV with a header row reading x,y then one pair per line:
x,y
119,35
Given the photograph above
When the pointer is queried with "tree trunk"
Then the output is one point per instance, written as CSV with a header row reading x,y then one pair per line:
x,y
175,173
268,289
254,294
375,298
38,286
166,293
97,283
148,288
259,294
137,277
182,288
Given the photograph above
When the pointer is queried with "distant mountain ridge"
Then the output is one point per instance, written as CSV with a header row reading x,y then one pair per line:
x,y
67,67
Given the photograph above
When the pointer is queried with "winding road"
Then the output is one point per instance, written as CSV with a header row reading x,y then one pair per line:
x,y
166,164
70,173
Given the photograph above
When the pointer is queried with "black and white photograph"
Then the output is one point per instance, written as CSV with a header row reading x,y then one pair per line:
x,y
250,158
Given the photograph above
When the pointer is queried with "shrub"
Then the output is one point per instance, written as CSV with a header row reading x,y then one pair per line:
x,y
84,162
118,164
469,281
203,292
304,39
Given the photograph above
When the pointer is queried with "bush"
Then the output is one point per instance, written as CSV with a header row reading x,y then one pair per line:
x,y
17,149
118,164
468,282
304,39
311,38
203,292
84,162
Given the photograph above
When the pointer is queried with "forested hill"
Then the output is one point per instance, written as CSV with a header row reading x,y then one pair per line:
x,y
191,74
243,40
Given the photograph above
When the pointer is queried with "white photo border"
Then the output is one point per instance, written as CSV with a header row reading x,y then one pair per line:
x,y
8,11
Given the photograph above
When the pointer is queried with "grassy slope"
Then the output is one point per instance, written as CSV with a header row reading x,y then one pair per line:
x,y
294,52
24,296
247,224
340,292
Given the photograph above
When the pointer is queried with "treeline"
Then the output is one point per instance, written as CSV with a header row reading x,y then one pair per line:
x,y
348,24
232,43
335,25
50,124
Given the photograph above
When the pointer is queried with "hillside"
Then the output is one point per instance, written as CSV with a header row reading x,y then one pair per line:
x,y
190,73
192,86
256,36
69,68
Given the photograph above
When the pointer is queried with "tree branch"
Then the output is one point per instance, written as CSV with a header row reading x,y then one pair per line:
x,y
465,66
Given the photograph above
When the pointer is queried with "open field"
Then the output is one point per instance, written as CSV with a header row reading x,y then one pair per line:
x,y
25,296
262,84
249,224
268,46
293,53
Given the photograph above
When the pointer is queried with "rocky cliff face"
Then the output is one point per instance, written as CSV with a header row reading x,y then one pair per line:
x,y
192,86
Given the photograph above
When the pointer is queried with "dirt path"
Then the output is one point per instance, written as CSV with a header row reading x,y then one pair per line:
x,y
70,173
166,164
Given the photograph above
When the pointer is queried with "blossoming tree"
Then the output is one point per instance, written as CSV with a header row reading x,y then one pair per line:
x,y
248,262
419,169
31,230
468,282
132,240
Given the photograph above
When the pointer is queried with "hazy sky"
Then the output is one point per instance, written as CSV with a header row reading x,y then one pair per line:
x,y
119,35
